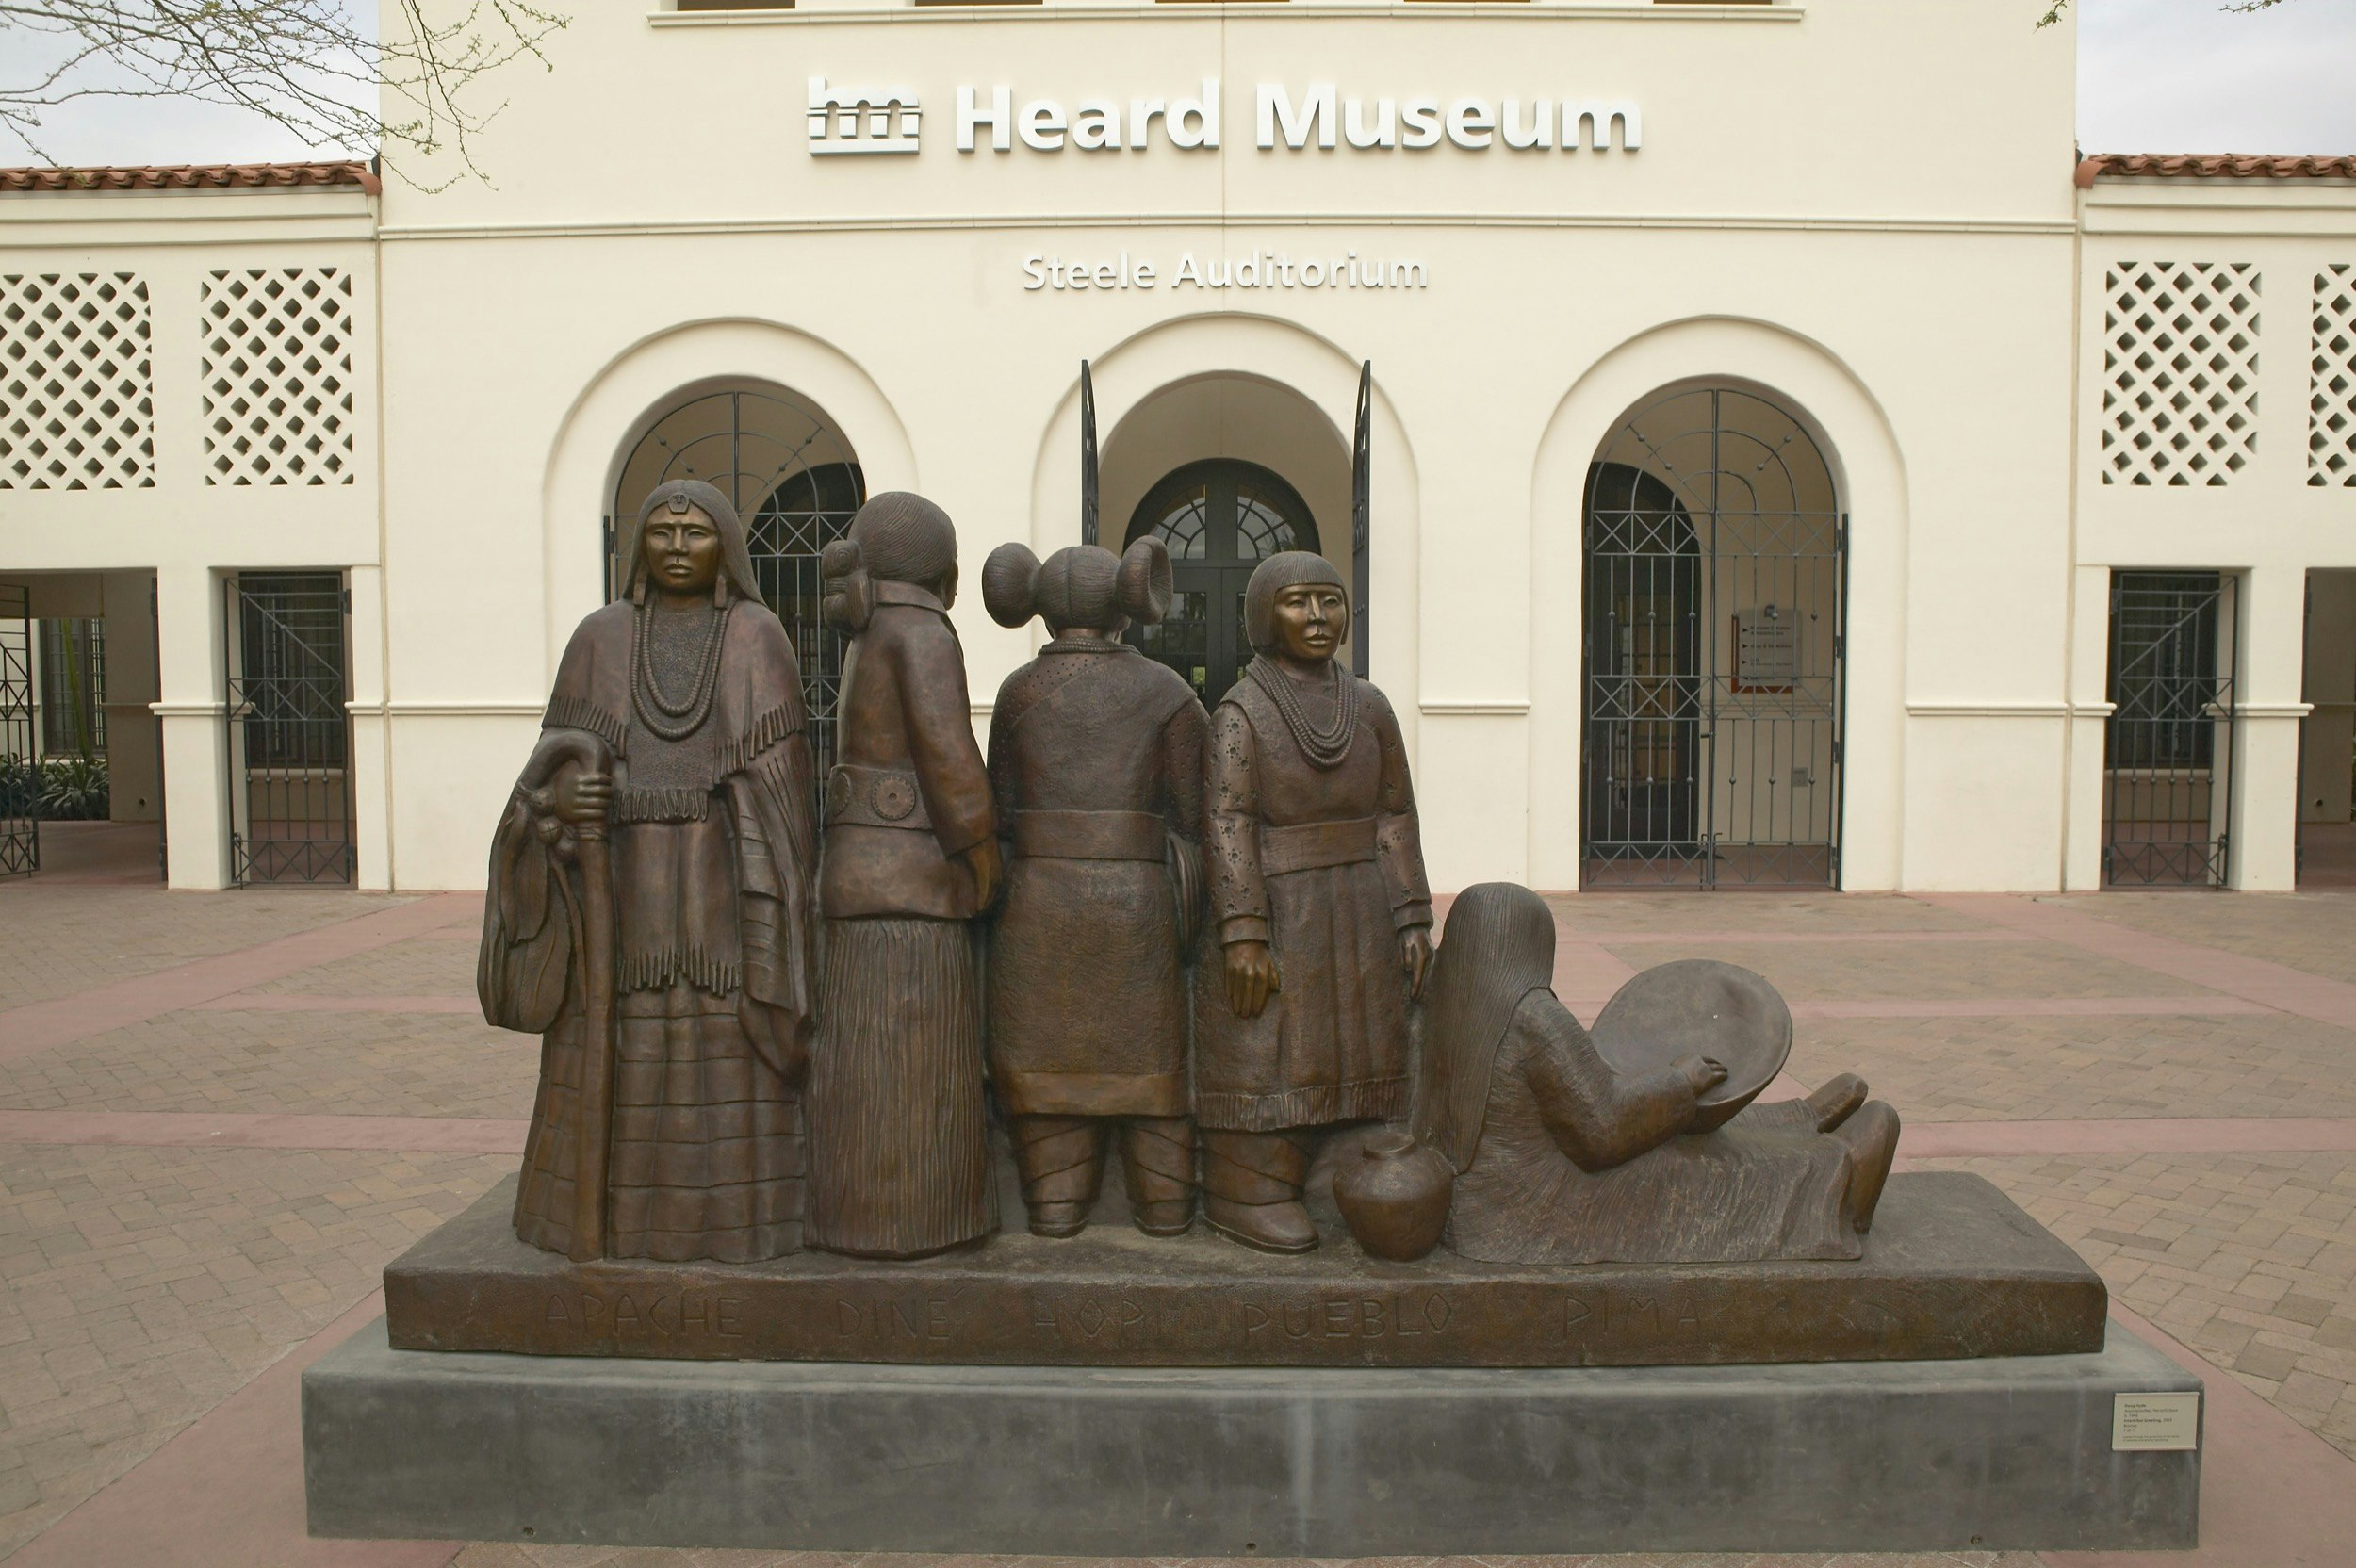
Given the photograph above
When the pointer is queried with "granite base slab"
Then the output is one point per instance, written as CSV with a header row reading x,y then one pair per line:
x,y
2013,1453
1952,1268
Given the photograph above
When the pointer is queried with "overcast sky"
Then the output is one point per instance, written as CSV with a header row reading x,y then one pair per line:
x,y
2187,76
2154,76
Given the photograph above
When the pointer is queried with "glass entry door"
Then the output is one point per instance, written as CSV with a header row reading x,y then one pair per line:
x,y
1219,519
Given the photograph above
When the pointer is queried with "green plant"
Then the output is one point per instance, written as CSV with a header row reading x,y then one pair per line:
x,y
73,789
20,787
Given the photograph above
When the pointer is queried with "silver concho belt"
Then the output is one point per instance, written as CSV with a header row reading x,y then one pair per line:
x,y
876,798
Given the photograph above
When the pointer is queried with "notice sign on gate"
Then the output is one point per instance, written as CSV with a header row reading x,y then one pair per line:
x,y
1766,650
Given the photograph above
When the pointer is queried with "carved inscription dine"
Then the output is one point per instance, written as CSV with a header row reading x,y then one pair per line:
x,y
893,1318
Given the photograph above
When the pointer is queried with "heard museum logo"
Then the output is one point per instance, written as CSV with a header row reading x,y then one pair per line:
x,y
869,121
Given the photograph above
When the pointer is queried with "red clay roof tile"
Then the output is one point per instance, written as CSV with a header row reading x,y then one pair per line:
x,y
208,176
2204,165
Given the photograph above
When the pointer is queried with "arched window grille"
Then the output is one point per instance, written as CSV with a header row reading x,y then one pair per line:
x,y
794,480
1220,518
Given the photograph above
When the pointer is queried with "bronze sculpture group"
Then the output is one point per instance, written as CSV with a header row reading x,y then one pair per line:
x,y
1202,938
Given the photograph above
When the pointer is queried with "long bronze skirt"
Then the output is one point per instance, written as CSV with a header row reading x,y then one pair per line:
x,y
899,1135
707,1156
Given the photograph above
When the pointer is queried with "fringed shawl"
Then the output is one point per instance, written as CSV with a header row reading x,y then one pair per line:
x,y
746,773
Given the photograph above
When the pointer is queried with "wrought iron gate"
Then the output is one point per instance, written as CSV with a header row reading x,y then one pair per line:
x,y
792,478
1715,603
20,742
2167,750
289,734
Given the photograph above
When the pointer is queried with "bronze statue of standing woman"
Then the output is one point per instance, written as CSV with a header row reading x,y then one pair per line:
x,y
1320,911
899,1128
650,912
1096,753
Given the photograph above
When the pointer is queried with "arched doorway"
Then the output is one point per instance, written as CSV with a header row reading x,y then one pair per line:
x,y
1220,518
795,482
1715,557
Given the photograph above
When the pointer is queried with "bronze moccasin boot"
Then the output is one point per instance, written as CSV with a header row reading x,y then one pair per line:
x,y
1251,1185
1061,1159
1157,1159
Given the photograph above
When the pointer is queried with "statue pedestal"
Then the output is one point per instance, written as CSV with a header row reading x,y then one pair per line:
x,y
1952,1268
2010,1453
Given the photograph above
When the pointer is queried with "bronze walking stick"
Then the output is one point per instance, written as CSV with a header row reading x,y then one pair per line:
x,y
593,1134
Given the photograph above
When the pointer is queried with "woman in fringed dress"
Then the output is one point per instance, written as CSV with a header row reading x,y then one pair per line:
x,y
692,685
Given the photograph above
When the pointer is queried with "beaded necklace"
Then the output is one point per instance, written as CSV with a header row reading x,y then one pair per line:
x,y
1324,749
668,720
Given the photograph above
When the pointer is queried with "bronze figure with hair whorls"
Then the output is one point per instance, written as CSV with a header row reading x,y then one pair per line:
x,y
1096,756
650,912
1562,1159
1323,919
899,1127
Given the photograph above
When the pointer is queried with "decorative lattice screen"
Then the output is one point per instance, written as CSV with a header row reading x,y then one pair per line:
x,y
2332,399
278,376
77,392
2180,403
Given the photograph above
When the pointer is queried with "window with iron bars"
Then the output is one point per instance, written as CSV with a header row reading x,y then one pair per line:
x,y
73,688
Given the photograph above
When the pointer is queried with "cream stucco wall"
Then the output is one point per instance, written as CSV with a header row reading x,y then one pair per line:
x,y
1859,209
189,532
1918,320
2266,523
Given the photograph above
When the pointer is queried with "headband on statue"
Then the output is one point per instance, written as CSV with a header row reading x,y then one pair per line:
x,y
675,498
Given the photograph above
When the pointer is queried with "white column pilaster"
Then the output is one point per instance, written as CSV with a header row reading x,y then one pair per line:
x,y
2270,623
371,734
2089,720
196,799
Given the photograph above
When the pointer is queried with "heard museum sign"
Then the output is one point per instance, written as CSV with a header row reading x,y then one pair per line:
x,y
869,120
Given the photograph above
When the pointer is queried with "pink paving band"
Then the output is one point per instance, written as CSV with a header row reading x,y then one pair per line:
x,y
62,1021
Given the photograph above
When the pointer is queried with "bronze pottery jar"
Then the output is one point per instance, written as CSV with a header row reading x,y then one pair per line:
x,y
1395,1197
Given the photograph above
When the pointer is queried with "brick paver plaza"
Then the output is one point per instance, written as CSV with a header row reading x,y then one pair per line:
x,y
222,1114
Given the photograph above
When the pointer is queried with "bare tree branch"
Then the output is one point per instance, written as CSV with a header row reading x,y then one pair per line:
x,y
407,90
2054,14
